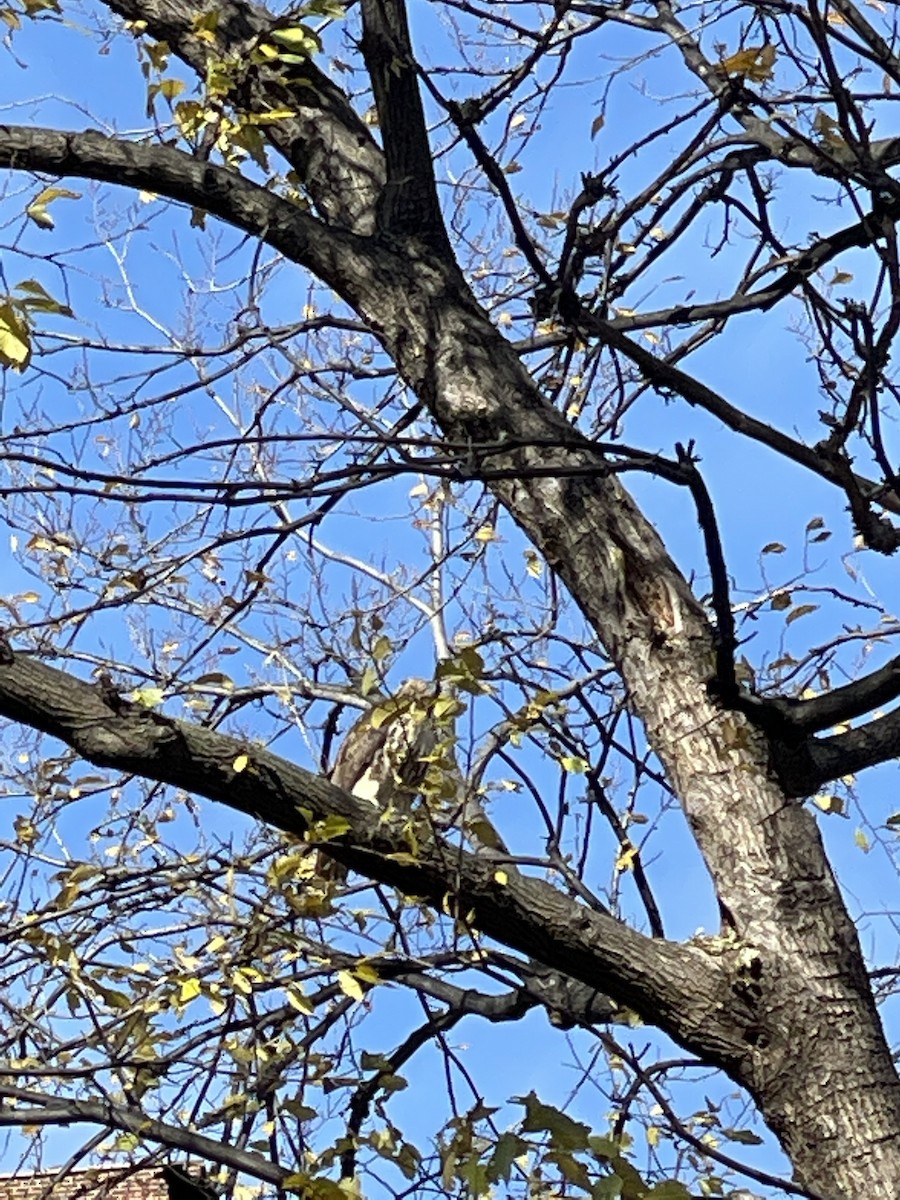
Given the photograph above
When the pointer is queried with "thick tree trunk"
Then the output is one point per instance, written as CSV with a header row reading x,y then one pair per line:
x,y
813,1053
816,1061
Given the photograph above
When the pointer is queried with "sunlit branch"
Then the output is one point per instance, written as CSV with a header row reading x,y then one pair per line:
x,y
50,1110
221,191
522,912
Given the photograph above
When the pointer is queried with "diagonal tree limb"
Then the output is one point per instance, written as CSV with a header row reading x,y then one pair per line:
x,y
51,1110
845,753
668,377
221,191
855,699
664,980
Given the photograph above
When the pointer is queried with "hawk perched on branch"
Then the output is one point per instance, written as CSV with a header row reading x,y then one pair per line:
x,y
381,758
385,755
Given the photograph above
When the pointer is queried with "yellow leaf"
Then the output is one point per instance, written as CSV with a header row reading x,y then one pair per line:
x,y
382,648
829,804
447,706
755,62
37,209
15,340
240,763
501,877
331,827
298,38
296,999
170,88
862,841
148,697
26,831
367,972
533,564
625,861
485,534
275,114
188,989
404,859
206,22
369,681
243,979
349,985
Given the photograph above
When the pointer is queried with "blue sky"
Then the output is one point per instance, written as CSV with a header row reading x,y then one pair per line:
x,y
758,500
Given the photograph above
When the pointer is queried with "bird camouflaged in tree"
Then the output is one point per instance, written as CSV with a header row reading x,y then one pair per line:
x,y
386,755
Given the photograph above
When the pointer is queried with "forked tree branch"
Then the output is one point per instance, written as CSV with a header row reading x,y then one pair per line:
x,y
327,144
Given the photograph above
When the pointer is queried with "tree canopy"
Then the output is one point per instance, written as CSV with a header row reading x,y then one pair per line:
x,y
541,354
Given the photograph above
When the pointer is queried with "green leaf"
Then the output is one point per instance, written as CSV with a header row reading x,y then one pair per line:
x,y
330,828
298,38
374,1062
565,1133
746,1137
38,299
392,1083
382,648
324,8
